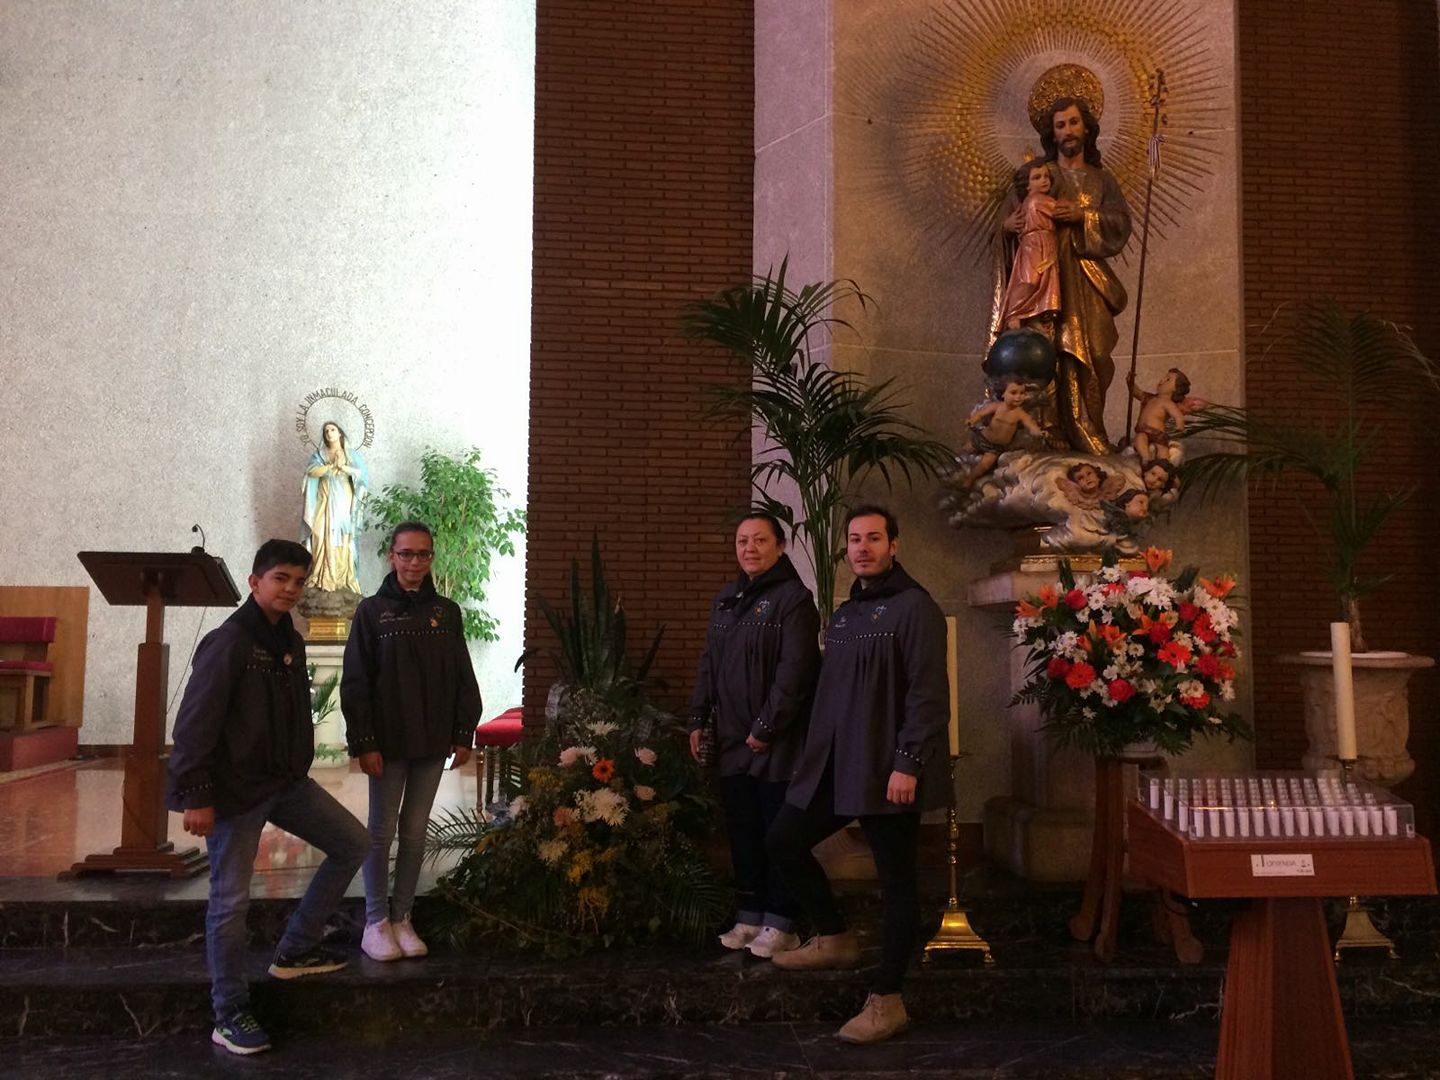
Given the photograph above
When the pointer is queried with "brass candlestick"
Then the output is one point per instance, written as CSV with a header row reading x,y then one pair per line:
x,y
956,933
1359,931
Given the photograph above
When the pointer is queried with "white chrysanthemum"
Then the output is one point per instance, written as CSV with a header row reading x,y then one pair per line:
x,y
1023,623
1190,688
1184,639
1154,590
602,804
518,805
1134,648
1107,616
1068,644
1094,599
1088,713
601,728
1111,672
551,851
1109,573
1227,691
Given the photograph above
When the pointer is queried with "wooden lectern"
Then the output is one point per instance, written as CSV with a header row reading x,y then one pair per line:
x,y
155,581
1281,1019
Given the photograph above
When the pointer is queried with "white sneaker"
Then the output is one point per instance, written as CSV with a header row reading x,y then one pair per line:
x,y
407,939
772,940
739,935
378,941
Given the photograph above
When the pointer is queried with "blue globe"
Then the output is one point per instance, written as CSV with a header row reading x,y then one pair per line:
x,y
1024,352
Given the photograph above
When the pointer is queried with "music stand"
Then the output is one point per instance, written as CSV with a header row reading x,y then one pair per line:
x,y
155,581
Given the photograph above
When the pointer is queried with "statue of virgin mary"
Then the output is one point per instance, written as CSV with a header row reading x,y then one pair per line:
x,y
334,481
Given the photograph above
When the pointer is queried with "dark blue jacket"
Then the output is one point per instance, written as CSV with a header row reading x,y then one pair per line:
x,y
883,700
408,688
758,671
244,730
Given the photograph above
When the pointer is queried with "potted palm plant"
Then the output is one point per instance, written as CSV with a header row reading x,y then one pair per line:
x,y
825,431
1359,365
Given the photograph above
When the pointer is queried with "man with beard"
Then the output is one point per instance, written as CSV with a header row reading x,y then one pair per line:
x,y
1092,224
875,752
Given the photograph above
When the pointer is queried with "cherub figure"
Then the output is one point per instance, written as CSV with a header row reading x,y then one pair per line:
x,y
1086,485
1004,418
1033,290
1160,477
1126,511
1152,437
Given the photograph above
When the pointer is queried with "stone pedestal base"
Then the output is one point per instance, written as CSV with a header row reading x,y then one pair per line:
x,y
1050,844
1382,712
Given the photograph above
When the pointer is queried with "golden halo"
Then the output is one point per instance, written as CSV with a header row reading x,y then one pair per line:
x,y
1064,80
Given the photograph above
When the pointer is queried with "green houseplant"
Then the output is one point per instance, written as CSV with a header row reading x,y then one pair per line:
x,y
826,430
1353,371
1361,366
461,502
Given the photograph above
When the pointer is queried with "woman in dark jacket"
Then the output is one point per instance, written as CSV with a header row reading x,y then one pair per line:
x,y
756,677
410,700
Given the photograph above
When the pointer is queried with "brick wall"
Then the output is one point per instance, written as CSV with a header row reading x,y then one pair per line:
x,y
643,166
1340,160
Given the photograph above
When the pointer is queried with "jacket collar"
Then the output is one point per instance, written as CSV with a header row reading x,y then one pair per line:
x,y
391,590
893,581
746,590
275,638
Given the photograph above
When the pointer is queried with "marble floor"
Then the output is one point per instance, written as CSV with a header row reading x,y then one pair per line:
x,y
51,818
1111,1051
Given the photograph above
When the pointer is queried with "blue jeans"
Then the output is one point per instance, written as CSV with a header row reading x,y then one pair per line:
x,y
405,791
309,812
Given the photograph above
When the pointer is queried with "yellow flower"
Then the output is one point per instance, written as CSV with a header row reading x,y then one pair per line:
x,y
592,901
580,865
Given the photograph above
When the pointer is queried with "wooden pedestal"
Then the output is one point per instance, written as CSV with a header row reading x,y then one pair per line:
x,y
1282,1017
1099,913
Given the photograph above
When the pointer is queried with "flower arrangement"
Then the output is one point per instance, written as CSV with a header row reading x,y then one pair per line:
x,y
1131,656
600,842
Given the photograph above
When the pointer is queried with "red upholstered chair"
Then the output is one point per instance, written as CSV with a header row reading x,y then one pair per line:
x,y
493,739
25,669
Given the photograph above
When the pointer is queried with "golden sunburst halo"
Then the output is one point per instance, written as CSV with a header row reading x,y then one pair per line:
x,y
960,89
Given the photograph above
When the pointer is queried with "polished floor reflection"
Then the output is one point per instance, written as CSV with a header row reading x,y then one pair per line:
x,y
50,818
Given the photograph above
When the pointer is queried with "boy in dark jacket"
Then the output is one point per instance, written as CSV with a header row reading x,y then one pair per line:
x,y
410,700
244,741
875,751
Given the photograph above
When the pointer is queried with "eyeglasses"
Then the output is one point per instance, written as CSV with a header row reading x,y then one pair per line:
x,y
406,555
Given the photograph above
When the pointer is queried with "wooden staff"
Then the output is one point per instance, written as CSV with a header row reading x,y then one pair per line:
x,y
1152,153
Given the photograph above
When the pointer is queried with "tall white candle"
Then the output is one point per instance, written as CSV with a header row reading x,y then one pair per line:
x,y
1344,691
952,672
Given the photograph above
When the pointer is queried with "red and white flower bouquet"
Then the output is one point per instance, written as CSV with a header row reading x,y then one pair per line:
x,y
1131,657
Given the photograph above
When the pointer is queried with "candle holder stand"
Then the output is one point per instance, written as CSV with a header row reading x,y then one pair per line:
x,y
1359,931
955,933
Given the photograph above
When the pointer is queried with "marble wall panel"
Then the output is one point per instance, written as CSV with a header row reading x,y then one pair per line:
x,y
210,211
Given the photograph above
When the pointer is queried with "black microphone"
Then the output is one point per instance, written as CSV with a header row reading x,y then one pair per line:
x,y
198,549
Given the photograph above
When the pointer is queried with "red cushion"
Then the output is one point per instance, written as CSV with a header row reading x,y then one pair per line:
x,y
503,730
27,629
27,665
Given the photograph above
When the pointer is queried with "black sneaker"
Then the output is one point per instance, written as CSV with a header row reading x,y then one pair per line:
x,y
316,961
240,1033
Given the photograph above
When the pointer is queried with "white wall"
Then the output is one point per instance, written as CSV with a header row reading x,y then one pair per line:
x,y
211,208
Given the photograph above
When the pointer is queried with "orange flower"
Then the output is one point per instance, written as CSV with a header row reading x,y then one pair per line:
x,y
1109,633
1174,654
1026,610
1218,587
1158,559
1048,597
603,770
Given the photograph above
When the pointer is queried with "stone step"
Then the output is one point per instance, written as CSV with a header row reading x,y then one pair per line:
x,y
1405,1050
156,992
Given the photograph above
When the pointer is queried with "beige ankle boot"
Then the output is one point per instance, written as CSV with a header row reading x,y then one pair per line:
x,y
884,1015
821,952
